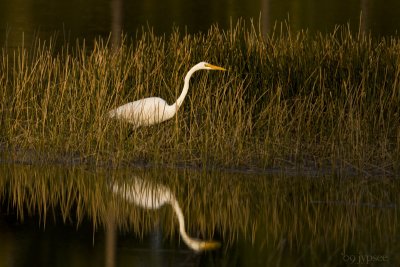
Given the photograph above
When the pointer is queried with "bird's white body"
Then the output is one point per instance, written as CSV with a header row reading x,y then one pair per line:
x,y
153,110
151,196
144,112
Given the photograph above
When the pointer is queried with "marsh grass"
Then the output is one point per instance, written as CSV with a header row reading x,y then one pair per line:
x,y
289,99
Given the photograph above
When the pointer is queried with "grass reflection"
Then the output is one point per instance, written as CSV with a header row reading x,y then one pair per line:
x,y
303,216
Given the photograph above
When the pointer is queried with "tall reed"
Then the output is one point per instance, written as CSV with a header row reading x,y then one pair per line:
x,y
289,99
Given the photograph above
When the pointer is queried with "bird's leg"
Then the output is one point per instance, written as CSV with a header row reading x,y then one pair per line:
x,y
130,132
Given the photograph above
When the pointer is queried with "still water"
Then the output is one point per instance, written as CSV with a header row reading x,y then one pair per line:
x,y
77,216
23,19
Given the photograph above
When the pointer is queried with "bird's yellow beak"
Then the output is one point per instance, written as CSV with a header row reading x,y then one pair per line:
x,y
210,245
215,67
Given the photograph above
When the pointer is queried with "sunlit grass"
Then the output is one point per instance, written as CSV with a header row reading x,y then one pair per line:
x,y
289,99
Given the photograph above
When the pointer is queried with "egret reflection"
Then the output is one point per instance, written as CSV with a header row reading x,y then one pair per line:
x,y
153,196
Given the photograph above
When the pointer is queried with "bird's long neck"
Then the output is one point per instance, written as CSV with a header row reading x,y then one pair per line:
x,y
192,243
185,89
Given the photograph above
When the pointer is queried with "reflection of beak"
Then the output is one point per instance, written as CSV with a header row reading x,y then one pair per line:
x,y
215,67
210,245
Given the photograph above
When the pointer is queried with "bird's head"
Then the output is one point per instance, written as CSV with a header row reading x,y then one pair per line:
x,y
209,245
208,66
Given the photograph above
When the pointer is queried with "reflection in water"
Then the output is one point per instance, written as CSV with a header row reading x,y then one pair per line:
x,y
154,196
58,215
110,241
116,22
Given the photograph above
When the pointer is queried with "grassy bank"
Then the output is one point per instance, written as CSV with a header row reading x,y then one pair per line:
x,y
289,99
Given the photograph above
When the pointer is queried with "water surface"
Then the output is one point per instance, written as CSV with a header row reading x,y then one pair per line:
x,y
22,20
62,216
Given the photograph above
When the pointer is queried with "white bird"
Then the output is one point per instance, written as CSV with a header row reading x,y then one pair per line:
x,y
150,196
152,110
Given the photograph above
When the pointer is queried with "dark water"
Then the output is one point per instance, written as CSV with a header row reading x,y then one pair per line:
x,y
69,216
89,19
31,244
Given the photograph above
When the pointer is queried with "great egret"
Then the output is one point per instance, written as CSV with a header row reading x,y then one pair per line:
x,y
151,196
152,110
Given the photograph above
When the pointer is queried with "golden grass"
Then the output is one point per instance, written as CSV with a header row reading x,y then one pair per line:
x,y
289,99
